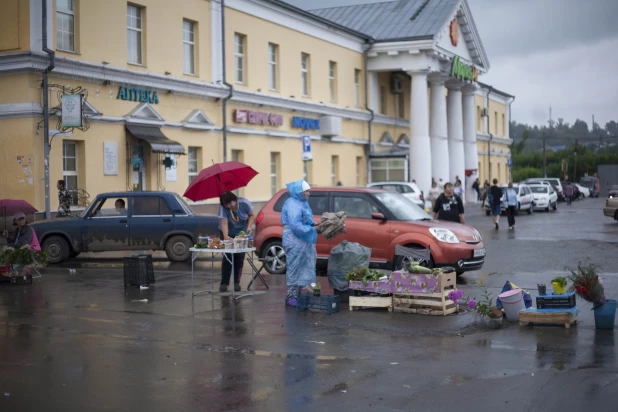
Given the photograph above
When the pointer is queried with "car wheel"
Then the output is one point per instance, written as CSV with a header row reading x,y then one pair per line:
x,y
178,248
275,257
398,261
531,209
56,248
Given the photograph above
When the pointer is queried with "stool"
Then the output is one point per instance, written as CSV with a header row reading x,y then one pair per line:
x,y
138,270
257,273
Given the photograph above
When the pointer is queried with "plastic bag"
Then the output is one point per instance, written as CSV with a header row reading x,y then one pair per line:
x,y
343,258
332,224
510,286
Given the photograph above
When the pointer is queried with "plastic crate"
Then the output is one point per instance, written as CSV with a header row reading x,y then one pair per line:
x,y
565,301
21,280
323,303
138,270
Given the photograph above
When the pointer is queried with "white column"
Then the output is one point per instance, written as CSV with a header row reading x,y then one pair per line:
x,y
455,132
420,146
374,91
469,135
216,62
438,130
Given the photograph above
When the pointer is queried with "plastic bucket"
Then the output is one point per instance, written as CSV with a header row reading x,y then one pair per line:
x,y
558,290
513,303
542,289
605,315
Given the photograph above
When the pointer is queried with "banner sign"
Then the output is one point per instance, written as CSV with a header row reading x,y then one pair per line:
x,y
72,110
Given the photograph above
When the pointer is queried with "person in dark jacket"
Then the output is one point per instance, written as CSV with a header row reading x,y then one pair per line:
x,y
23,232
449,206
568,193
495,199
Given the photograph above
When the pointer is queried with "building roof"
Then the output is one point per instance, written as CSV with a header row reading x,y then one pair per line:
x,y
395,20
494,90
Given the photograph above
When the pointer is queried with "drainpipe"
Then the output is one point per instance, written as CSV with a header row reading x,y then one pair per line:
x,y
490,137
229,86
52,64
509,129
371,112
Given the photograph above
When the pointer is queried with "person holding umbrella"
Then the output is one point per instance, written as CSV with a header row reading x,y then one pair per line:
x,y
299,238
23,233
235,216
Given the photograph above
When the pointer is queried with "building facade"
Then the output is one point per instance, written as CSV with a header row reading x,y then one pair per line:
x,y
375,105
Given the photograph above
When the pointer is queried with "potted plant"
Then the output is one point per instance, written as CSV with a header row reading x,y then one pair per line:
x,y
559,283
483,307
21,260
315,288
588,285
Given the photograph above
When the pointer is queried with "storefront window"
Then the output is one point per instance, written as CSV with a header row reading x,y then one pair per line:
x,y
388,170
69,168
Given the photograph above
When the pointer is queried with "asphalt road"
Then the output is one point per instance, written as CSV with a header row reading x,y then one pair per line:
x,y
82,342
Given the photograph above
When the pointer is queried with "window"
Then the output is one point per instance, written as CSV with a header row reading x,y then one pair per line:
x,y
355,207
496,123
334,170
357,87
69,169
479,119
188,46
401,106
332,80
134,34
318,202
503,127
194,169
149,206
385,170
359,171
274,172
304,73
110,207
65,25
273,56
382,100
239,56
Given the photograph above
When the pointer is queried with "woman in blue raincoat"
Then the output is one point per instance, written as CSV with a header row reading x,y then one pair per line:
x,y
299,237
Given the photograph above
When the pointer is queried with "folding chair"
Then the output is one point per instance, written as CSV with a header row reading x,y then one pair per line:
x,y
409,255
257,273
35,246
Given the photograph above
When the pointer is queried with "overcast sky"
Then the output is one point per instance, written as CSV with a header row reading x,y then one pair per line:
x,y
562,53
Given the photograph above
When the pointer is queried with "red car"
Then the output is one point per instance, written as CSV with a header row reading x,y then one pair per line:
x,y
377,219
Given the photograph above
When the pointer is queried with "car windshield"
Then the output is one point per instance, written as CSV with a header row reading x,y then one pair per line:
x,y
589,183
614,187
402,207
538,189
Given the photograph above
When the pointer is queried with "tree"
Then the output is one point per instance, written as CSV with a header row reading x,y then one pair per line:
x,y
611,128
580,128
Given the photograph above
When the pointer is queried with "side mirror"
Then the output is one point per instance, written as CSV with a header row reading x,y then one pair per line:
x,y
378,216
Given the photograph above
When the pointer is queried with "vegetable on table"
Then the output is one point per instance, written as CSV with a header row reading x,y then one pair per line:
x,y
363,274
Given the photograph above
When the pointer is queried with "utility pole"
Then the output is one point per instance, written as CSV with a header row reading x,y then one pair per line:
x,y
544,158
45,86
575,163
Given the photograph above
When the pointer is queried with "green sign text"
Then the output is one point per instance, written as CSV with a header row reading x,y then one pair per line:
x,y
138,95
464,72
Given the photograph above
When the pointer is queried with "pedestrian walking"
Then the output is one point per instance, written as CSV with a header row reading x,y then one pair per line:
x,y
477,187
299,238
235,216
433,194
511,205
458,189
449,206
495,200
568,193
64,199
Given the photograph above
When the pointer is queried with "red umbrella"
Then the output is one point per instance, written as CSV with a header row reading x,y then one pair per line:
x,y
8,207
219,178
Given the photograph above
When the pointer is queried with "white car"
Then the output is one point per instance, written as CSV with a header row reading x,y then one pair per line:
x,y
545,197
525,199
583,190
408,189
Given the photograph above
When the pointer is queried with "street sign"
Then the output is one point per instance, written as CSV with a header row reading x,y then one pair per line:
x,y
510,163
72,110
307,155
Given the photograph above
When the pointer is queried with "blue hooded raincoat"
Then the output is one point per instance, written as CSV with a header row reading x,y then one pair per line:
x,y
299,237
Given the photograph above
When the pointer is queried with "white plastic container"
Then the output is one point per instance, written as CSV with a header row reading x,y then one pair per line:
x,y
513,303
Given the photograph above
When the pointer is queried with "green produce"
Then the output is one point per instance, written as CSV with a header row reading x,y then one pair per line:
x,y
201,245
416,268
363,274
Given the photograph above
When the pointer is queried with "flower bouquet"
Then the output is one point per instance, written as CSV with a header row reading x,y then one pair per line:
x,y
587,284
21,260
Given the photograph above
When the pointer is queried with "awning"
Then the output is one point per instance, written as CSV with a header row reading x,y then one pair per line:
x,y
156,139
395,152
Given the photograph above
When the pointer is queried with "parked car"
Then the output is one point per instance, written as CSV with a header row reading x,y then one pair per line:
x,y
545,197
611,208
592,183
583,191
577,192
408,189
553,181
150,221
378,219
525,199
613,191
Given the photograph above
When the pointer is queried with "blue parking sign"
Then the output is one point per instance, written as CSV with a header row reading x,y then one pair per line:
x,y
307,155
510,163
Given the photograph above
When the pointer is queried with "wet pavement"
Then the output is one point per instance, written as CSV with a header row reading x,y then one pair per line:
x,y
82,342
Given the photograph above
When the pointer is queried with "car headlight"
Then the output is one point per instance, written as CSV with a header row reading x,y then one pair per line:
x,y
443,235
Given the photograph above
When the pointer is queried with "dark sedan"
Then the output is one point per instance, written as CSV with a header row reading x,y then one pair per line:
x,y
127,221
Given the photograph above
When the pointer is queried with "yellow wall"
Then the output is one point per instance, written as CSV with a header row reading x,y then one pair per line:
x,y
392,101
291,43
101,28
497,128
15,25
499,163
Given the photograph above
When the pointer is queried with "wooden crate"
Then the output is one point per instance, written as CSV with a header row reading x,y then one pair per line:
x,y
436,304
362,302
552,318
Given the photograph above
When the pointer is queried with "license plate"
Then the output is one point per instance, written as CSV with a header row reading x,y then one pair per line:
x,y
479,252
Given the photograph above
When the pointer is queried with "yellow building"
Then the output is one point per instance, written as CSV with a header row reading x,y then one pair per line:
x,y
152,75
